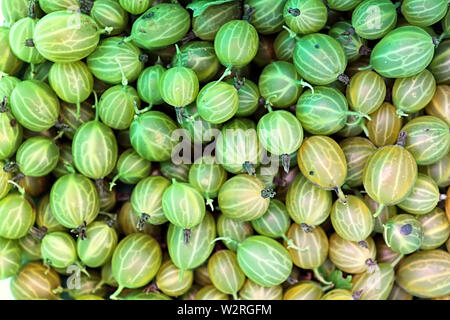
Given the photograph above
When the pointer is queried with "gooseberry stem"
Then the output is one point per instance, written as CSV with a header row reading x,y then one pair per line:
x,y
268,104
114,296
98,286
107,30
385,227
58,290
340,194
95,105
137,111
369,67
82,268
292,34
113,182
358,114
401,113
438,40
69,167
379,210
226,73
326,288
397,260
124,78
320,278
209,202
303,83
362,124
180,278
179,57
19,188
59,135
291,244
127,39
226,239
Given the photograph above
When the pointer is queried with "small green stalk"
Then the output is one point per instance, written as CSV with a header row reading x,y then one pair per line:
x,y
95,106
124,78
401,113
69,168
369,67
58,290
379,210
82,268
226,239
179,57
291,244
19,188
180,278
397,260
209,202
304,84
59,135
268,105
107,30
358,114
364,127
385,229
292,34
226,73
138,112
116,293
113,182
340,194
321,279
98,286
